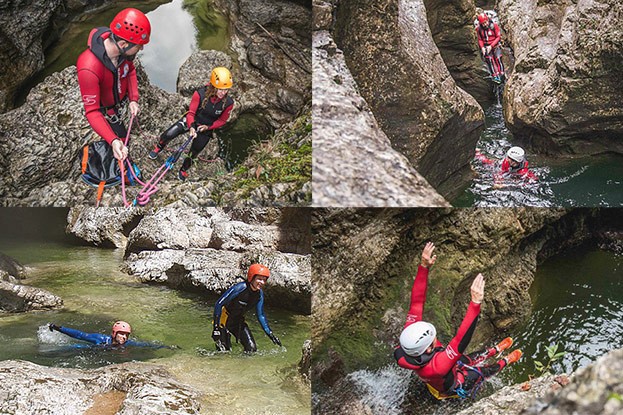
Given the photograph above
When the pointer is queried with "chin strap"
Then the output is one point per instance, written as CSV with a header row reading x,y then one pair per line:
x,y
122,52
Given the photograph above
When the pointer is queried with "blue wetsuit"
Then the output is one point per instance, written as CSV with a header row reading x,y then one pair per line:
x,y
103,339
229,312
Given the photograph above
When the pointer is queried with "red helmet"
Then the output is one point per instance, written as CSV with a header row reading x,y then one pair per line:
x,y
121,326
131,25
483,19
257,269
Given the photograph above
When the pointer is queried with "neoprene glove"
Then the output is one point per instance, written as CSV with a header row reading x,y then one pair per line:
x,y
274,338
216,334
53,327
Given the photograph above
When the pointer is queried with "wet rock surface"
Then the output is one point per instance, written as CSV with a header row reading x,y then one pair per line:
x,y
563,96
354,163
401,75
17,298
452,26
27,388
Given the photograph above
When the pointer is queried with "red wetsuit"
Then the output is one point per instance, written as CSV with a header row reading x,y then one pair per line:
x,y
505,167
437,368
490,36
103,86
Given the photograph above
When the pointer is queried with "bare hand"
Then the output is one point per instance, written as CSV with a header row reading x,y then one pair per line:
x,y
134,109
202,128
478,289
483,50
119,150
193,132
488,49
428,259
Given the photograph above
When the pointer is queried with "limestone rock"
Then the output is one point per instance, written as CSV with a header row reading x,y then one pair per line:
x,y
564,94
28,388
354,163
16,298
304,365
103,227
402,77
11,266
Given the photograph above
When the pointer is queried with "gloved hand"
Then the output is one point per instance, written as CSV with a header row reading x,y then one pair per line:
x,y
53,327
216,334
275,339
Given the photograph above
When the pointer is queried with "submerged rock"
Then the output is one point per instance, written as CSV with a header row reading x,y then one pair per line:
x,y
11,266
564,95
126,389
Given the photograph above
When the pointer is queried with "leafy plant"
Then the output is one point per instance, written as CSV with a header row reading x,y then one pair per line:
x,y
552,355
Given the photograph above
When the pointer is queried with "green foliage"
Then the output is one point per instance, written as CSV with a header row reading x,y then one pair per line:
x,y
552,355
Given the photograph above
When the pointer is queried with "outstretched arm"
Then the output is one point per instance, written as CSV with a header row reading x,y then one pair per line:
x,y
418,291
95,338
444,362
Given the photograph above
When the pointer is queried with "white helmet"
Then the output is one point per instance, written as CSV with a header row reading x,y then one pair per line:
x,y
416,338
516,153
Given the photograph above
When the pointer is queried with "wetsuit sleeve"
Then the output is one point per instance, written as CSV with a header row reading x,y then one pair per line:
x,y
133,85
227,296
94,338
482,158
192,109
481,41
222,120
443,362
418,296
260,314
497,38
90,91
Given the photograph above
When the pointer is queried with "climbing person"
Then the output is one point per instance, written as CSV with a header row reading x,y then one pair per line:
x,y
230,309
514,164
209,110
488,33
107,75
446,370
119,337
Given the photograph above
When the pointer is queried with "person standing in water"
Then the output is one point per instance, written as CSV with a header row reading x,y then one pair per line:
x,y
234,303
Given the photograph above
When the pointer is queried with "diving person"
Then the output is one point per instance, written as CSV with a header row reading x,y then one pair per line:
x,y
446,370
514,163
119,337
233,304
107,76
209,110
488,33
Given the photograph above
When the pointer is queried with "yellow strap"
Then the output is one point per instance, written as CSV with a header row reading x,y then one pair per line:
x,y
438,395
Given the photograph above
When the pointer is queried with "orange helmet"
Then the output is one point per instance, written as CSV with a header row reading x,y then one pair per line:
x,y
121,326
221,78
131,25
257,269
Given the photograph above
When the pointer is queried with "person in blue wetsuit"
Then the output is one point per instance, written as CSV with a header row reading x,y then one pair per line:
x,y
120,334
233,304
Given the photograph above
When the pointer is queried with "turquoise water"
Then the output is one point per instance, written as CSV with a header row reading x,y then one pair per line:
x,y
568,182
96,293
578,304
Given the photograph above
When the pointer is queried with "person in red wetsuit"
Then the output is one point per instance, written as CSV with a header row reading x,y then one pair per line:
x,y
488,33
209,109
446,370
107,76
515,163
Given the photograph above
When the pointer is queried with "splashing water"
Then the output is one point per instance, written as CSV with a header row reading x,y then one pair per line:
x,y
382,390
594,181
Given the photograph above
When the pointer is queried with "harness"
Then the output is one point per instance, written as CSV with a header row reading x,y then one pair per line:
x,y
458,387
